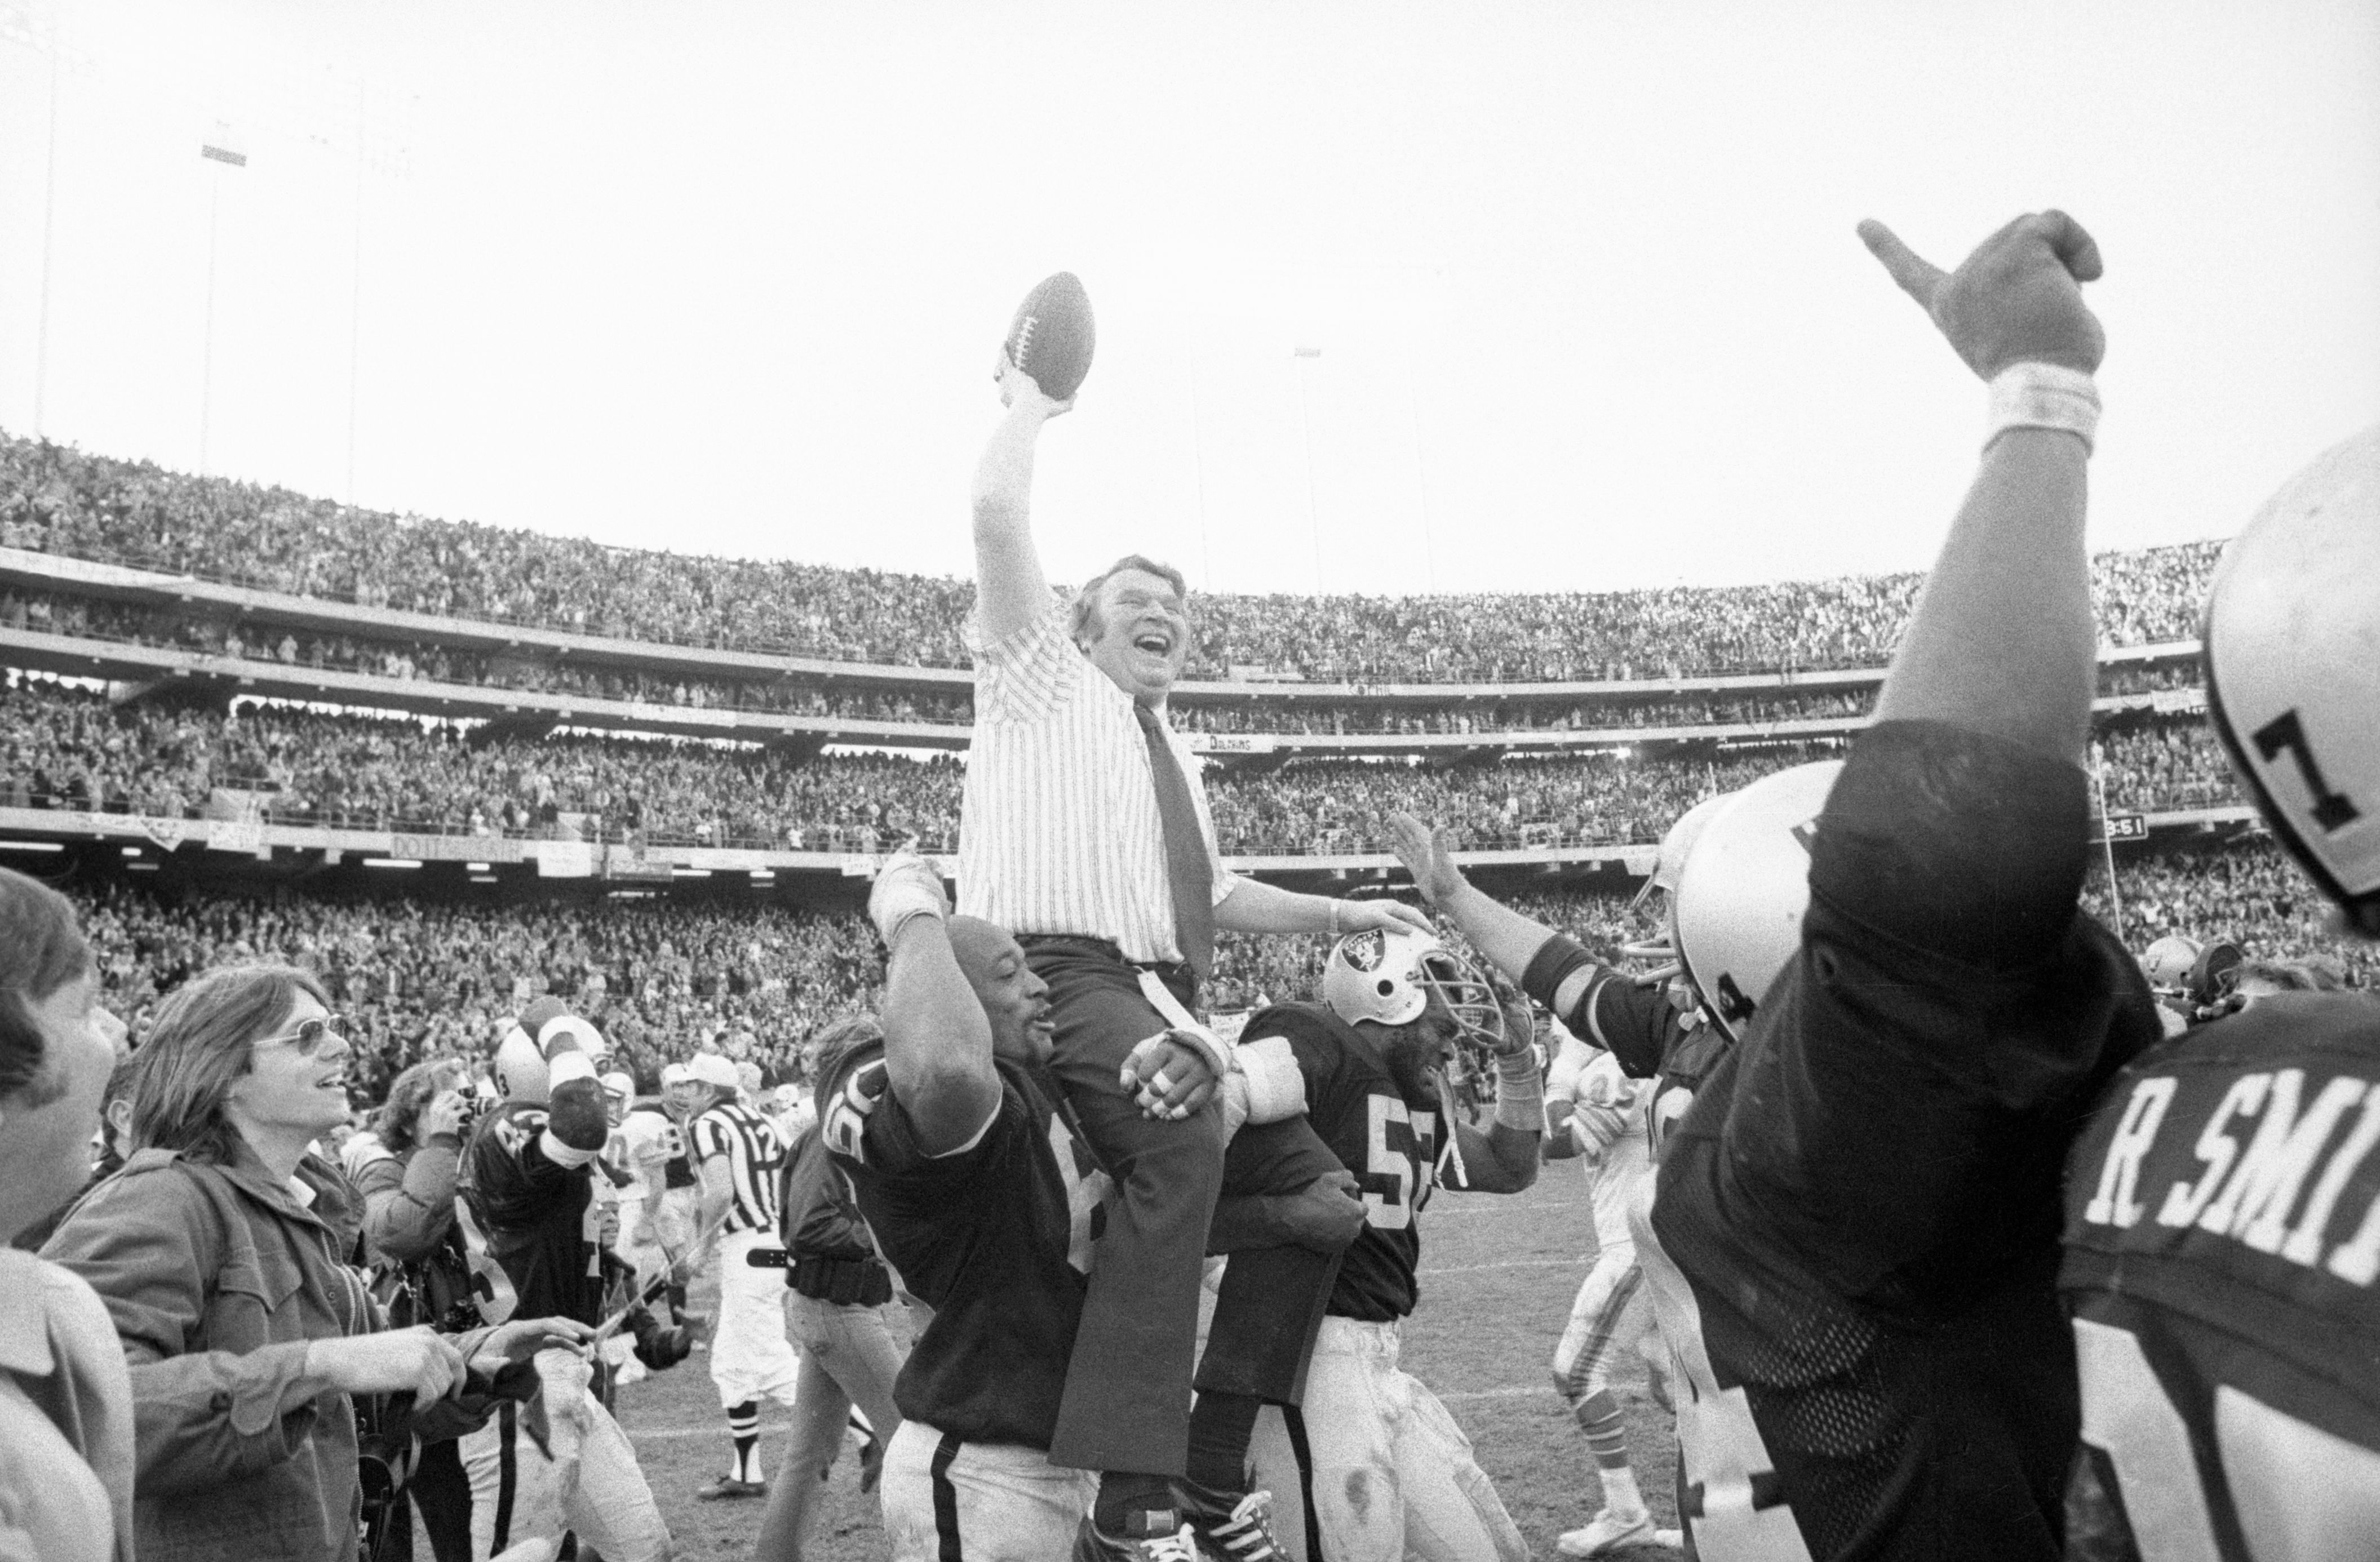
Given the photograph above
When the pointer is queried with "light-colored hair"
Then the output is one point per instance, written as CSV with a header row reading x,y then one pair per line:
x,y
200,1045
1086,600
41,949
837,1040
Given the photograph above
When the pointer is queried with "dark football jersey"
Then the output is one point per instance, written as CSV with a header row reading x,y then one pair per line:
x,y
996,1238
1853,1247
2222,1241
539,1219
1388,1139
1643,1029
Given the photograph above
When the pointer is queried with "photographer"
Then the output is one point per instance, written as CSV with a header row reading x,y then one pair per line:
x,y
421,1273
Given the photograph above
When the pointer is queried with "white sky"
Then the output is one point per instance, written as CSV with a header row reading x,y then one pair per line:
x,y
730,278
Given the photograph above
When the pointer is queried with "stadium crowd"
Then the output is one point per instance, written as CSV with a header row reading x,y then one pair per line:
x,y
420,978
406,660
60,747
60,500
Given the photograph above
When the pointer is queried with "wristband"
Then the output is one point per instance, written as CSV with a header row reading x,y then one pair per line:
x,y
1520,1094
1335,918
2043,395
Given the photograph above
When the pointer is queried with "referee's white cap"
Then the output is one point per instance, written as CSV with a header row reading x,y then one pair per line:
x,y
712,1069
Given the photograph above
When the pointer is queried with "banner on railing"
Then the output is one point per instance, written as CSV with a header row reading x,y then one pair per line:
x,y
168,832
2177,702
1231,742
564,859
238,835
456,848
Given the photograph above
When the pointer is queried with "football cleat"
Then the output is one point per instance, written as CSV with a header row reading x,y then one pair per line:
x,y
1606,1533
2292,687
1153,1536
729,1486
1244,1535
1738,906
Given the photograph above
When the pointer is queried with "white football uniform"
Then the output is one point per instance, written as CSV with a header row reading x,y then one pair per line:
x,y
1611,1311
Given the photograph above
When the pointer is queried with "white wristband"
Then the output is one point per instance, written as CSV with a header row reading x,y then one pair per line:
x,y
1334,917
2043,395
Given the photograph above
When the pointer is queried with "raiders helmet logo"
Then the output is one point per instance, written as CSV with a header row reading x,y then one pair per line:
x,y
1364,950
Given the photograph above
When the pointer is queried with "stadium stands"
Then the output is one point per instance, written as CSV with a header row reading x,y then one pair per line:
x,y
1543,726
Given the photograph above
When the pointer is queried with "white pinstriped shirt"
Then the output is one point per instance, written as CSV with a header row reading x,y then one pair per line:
x,y
1058,830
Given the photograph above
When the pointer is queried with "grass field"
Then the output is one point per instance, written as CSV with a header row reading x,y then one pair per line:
x,y
1498,1277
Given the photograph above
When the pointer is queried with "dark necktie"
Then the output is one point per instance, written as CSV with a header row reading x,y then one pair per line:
x,y
1188,871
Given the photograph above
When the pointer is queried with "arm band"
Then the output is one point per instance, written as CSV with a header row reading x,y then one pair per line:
x,y
562,1155
2043,395
1549,967
1520,1094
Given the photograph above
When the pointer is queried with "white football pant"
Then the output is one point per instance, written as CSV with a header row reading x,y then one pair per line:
x,y
1394,1475
588,1479
987,1501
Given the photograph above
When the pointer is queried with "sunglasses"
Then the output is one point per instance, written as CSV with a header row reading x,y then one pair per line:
x,y
311,1033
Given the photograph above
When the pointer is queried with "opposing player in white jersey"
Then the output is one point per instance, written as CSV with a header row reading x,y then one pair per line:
x,y
1604,1122
2222,1209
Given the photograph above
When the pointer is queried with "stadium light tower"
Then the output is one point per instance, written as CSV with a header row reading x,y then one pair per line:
x,y
1305,427
221,149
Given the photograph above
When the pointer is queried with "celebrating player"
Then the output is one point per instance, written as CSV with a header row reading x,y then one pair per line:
x,y
1085,830
527,1189
1656,1035
1852,1244
2223,1211
1389,1474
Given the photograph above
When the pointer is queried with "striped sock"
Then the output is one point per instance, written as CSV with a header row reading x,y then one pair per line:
x,y
1606,1439
743,1425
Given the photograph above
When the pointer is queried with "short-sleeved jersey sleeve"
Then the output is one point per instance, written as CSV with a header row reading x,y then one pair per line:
x,y
1904,1097
1630,1022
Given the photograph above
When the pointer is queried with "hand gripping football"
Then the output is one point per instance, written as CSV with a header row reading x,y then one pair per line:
x,y
1053,336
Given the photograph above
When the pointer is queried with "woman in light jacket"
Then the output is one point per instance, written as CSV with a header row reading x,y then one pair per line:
x,y
219,1250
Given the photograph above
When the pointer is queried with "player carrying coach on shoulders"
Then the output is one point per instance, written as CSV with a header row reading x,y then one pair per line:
x,y
2222,1209
1390,1475
964,1159
1084,831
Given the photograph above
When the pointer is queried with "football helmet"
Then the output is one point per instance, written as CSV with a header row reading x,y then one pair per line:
x,y
1737,910
1668,864
2167,966
2292,643
1387,974
520,1071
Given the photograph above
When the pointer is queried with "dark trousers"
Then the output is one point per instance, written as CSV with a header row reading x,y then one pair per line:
x,y
1128,1386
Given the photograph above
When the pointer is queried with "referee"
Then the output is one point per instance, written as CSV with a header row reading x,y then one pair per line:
x,y
1085,830
740,1156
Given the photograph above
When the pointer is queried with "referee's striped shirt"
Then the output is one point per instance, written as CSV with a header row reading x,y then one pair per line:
x,y
755,1156
1059,830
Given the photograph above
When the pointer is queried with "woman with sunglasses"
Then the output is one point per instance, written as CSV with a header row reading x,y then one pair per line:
x,y
220,1252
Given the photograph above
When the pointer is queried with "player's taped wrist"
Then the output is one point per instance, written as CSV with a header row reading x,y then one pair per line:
x,y
1550,966
1520,1094
2043,395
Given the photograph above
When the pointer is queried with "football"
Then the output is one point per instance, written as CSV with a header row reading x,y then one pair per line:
x,y
1051,337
